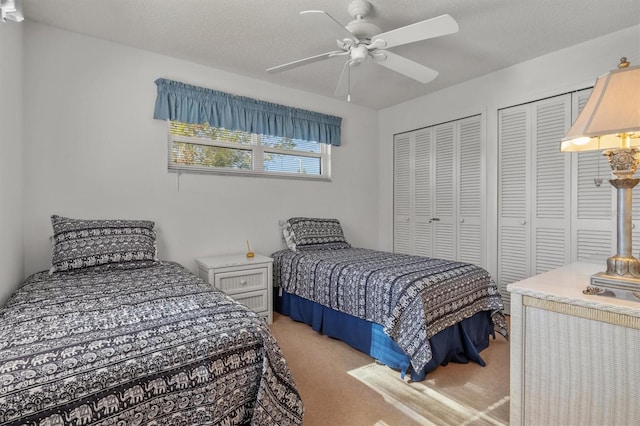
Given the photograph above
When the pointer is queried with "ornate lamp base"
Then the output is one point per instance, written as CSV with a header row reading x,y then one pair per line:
x,y
622,278
622,287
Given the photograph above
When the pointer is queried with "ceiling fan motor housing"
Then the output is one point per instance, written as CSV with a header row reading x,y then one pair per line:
x,y
361,27
359,8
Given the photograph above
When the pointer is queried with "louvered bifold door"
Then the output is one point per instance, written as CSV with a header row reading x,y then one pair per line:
x,y
423,181
402,194
445,217
593,214
469,192
514,145
551,221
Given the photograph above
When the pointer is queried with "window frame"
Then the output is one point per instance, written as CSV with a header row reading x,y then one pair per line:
x,y
257,155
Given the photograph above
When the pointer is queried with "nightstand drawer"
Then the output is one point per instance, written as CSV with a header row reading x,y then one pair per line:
x,y
235,282
257,301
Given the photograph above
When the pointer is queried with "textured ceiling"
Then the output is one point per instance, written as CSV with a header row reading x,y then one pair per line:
x,y
248,36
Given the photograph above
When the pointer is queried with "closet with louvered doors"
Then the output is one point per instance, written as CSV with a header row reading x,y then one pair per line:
x,y
550,210
534,190
437,195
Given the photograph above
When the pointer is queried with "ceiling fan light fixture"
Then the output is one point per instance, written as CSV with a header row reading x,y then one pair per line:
x,y
359,54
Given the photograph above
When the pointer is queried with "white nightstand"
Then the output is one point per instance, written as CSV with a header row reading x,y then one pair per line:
x,y
246,280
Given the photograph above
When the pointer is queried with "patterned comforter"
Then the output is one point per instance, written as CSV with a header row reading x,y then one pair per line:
x,y
412,297
153,345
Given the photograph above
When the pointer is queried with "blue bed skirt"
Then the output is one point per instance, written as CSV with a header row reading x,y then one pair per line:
x,y
460,343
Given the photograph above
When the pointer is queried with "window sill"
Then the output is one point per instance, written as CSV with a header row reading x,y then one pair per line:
x,y
247,173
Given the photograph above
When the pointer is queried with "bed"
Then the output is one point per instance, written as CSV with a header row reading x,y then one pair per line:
x,y
112,336
409,312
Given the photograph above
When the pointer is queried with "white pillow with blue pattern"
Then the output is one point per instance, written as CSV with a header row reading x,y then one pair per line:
x,y
118,243
304,233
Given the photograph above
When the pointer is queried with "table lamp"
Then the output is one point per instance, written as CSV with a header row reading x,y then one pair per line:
x,y
610,121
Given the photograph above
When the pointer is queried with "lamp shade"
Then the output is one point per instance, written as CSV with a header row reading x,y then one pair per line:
x,y
612,109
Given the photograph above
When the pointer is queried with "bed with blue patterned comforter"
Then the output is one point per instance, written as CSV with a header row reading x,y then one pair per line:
x,y
412,297
153,345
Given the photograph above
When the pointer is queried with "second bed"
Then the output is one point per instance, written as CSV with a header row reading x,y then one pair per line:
x,y
411,313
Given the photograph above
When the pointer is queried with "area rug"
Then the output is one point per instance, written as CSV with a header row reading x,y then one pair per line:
x,y
462,404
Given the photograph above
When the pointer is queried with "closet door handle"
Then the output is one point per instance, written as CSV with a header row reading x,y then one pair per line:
x,y
434,219
523,222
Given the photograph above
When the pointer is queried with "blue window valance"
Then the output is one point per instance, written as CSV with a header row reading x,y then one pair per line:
x,y
197,105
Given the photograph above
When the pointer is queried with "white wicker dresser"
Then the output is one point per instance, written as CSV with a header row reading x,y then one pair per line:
x,y
575,358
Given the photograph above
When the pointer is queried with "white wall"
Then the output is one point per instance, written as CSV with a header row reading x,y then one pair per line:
x,y
11,244
93,150
566,70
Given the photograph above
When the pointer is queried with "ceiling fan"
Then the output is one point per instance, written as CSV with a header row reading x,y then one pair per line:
x,y
360,39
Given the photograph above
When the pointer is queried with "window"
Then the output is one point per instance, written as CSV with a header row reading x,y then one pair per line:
x,y
205,149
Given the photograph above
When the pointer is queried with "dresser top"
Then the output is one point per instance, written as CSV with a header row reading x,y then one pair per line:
x,y
223,261
565,285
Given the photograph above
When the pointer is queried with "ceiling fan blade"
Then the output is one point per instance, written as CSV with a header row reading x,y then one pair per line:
x,y
330,23
402,65
434,27
305,61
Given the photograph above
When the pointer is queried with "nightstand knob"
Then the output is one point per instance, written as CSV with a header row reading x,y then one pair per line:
x,y
243,282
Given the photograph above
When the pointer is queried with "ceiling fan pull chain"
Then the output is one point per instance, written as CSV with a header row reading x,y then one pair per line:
x,y
349,83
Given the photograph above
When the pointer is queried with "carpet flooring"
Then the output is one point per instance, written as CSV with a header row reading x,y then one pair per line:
x,y
340,385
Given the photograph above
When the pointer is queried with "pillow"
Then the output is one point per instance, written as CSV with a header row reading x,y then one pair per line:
x,y
287,235
80,243
305,231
